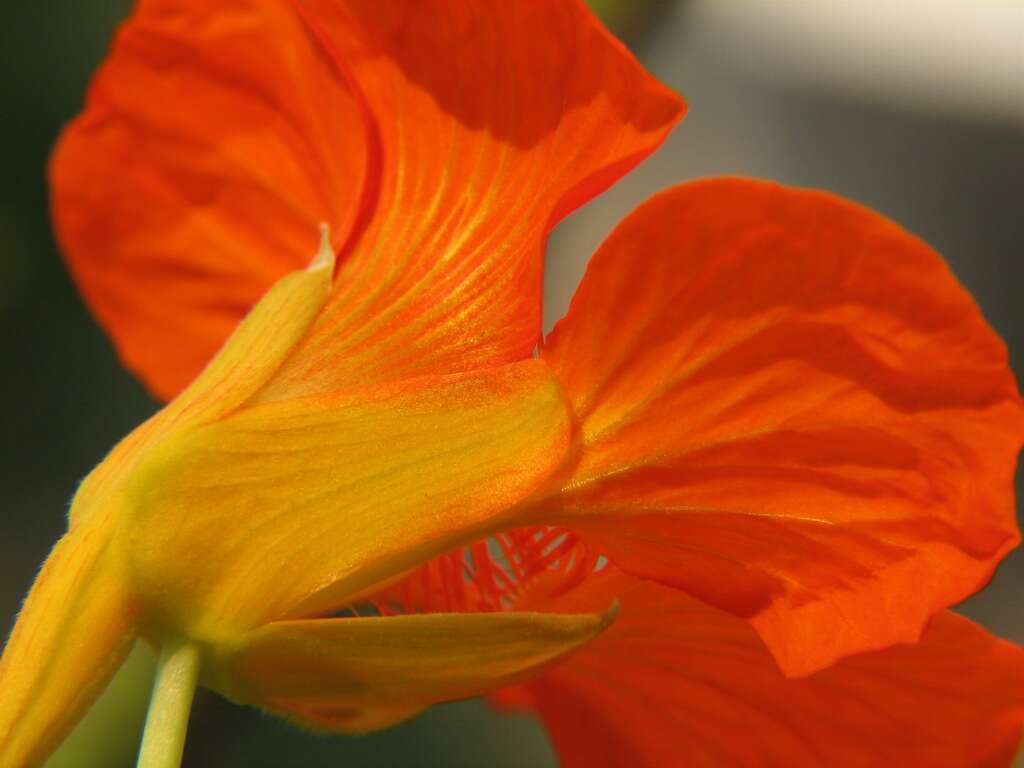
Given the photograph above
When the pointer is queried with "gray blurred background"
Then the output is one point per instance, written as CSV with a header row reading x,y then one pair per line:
x,y
917,111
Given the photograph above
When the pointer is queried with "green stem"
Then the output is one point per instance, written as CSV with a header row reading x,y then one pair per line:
x,y
163,740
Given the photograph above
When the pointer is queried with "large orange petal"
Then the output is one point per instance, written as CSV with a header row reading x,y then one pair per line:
x,y
790,408
495,120
675,682
214,140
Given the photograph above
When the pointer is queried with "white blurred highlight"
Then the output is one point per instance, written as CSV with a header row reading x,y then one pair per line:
x,y
950,55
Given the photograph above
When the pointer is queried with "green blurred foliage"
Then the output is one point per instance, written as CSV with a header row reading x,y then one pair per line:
x,y
627,18
109,736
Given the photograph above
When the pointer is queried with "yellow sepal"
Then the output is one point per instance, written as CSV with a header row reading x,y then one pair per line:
x,y
74,630
369,669
289,509
246,362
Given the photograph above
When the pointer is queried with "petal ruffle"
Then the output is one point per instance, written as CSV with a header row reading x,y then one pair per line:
x,y
363,673
360,485
214,141
494,121
791,409
676,682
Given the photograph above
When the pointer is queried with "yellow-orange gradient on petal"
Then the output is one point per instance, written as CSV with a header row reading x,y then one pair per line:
x,y
222,518
303,503
440,141
84,612
489,134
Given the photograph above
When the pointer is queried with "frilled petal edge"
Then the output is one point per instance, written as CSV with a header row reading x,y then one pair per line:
x,y
791,409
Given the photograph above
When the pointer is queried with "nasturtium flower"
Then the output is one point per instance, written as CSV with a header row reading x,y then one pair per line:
x,y
714,518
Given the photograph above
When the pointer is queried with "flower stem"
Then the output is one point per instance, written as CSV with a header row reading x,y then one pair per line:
x,y
163,740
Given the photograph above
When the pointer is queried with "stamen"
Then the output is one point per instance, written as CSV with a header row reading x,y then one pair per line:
x,y
493,574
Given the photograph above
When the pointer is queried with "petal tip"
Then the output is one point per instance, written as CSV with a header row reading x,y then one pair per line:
x,y
609,616
324,258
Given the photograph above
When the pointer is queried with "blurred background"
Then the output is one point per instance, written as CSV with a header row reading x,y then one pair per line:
x,y
913,108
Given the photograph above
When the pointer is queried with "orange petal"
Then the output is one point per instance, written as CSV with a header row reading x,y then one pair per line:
x,y
75,629
214,140
675,682
790,408
494,121
289,508
388,668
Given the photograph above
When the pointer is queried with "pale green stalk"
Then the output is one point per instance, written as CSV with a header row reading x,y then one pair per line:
x,y
163,740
